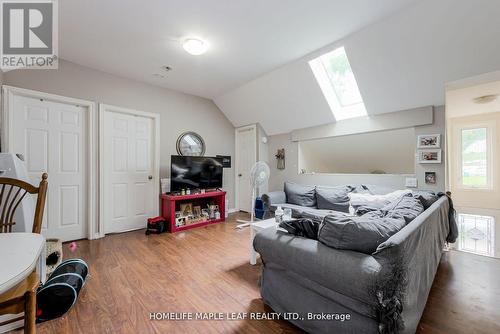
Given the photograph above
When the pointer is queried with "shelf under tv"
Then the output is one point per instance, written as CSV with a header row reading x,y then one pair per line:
x,y
171,203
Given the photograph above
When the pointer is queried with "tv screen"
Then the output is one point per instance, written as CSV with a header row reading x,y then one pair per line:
x,y
195,172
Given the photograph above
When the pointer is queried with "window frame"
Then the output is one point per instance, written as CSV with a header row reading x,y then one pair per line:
x,y
325,82
460,245
490,132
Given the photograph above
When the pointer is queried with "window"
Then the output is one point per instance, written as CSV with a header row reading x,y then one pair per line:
x,y
476,234
338,84
474,158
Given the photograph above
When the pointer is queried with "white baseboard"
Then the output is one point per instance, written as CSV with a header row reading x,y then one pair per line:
x,y
233,210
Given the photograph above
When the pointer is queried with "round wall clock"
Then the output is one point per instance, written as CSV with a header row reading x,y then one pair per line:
x,y
190,144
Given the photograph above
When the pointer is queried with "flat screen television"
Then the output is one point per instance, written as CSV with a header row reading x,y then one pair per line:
x,y
195,172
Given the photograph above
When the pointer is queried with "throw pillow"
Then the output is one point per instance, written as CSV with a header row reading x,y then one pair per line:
x,y
333,198
300,195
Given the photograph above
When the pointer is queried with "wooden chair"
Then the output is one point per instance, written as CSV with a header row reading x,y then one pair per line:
x,y
22,297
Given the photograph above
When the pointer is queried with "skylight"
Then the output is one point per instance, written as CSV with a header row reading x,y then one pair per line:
x,y
338,84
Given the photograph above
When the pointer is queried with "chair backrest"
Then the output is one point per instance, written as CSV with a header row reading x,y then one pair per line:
x,y
12,193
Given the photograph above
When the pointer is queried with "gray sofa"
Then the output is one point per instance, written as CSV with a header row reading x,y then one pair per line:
x,y
382,292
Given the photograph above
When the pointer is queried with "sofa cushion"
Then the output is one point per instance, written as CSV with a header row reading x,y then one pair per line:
x,y
361,234
333,198
300,195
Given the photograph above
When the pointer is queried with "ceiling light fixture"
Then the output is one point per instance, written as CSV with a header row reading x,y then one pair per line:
x,y
195,46
485,99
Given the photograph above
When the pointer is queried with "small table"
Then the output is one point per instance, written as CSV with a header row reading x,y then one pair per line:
x,y
256,227
20,253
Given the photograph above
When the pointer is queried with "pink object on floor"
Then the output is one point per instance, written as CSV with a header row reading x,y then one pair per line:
x,y
72,246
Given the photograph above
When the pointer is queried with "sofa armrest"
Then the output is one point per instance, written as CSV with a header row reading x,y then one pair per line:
x,y
273,197
349,273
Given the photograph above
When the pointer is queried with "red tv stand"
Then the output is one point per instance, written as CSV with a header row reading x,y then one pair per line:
x,y
171,203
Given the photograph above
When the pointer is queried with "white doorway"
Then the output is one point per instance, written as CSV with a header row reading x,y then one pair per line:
x,y
473,139
129,164
475,180
245,157
54,134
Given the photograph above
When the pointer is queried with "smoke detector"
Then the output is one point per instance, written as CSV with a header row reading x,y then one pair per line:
x,y
485,99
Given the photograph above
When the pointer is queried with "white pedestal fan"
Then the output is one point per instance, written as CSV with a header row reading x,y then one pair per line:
x,y
259,175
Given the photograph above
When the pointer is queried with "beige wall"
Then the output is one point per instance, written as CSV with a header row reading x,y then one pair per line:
x,y
290,173
179,112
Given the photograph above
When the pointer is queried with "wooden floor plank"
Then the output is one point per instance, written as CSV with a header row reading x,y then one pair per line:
x,y
207,270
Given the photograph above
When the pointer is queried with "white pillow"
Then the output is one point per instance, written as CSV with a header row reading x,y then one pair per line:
x,y
376,201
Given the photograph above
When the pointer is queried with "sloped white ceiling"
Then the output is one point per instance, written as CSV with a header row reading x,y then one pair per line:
x,y
247,38
401,62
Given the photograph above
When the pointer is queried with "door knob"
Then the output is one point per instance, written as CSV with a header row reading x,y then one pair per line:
x,y
150,177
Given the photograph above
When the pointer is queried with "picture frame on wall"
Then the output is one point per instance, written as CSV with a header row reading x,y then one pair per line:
x,y
429,141
430,177
429,156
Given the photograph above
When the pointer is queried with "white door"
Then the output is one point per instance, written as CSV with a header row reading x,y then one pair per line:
x,y
130,183
246,156
474,144
52,138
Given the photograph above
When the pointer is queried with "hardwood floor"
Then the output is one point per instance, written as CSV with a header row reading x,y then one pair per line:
x,y
465,296
207,270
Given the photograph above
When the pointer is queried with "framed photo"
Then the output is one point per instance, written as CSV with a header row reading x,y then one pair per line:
x,y
430,177
429,141
429,156
186,209
197,211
